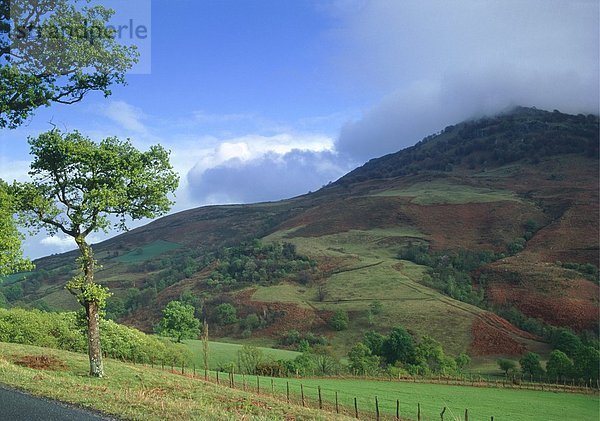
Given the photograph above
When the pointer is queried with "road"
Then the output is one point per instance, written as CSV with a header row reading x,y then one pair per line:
x,y
19,406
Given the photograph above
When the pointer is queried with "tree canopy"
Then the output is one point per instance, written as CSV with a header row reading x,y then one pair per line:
x,y
178,322
11,259
56,51
77,184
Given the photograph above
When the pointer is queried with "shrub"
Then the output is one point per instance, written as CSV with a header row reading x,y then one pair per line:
x,y
339,320
63,331
226,314
271,369
250,322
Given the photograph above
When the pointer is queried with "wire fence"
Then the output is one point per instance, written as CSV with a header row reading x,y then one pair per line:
x,y
294,391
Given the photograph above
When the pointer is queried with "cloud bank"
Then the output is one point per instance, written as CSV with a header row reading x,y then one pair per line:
x,y
436,63
271,177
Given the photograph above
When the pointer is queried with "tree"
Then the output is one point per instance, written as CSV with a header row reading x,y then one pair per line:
x,y
587,362
77,186
531,365
430,354
566,341
339,320
362,361
399,346
226,314
374,341
178,322
507,366
40,65
250,357
11,255
56,51
559,365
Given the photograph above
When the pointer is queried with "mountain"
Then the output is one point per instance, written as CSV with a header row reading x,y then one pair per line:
x,y
483,236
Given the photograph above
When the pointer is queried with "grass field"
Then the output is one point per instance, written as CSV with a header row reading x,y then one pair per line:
x,y
140,392
148,251
482,403
438,192
221,353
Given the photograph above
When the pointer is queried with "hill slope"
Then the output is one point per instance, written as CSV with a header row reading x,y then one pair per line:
x,y
520,187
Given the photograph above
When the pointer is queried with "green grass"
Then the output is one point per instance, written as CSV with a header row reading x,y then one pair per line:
x,y
439,192
148,251
222,353
482,403
141,392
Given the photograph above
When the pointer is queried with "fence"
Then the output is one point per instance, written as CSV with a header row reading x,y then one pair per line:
x,y
294,391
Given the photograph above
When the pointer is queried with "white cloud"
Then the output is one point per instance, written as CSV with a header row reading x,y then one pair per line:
x,y
59,243
127,116
253,146
270,177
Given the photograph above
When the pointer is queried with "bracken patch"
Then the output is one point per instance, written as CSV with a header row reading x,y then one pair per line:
x,y
41,362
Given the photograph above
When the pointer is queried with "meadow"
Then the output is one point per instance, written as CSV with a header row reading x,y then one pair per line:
x,y
221,354
482,403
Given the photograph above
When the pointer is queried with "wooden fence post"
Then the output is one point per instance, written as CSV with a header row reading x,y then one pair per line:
x,y
466,415
418,412
205,348
302,393
320,400
194,370
272,387
376,408
355,408
182,367
397,409
217,376
287,391
337,408
257,385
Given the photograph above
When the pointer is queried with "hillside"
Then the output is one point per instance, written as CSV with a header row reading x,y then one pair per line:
x,y
520,189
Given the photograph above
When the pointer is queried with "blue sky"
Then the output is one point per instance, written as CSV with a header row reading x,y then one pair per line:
x,y
262,100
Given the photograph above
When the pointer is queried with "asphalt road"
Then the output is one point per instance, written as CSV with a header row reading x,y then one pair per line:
x,y
19,406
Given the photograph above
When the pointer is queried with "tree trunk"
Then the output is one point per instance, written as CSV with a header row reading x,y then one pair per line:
x,y
92,312
94,350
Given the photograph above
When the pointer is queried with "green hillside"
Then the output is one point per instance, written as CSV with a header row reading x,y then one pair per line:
x,y
521,187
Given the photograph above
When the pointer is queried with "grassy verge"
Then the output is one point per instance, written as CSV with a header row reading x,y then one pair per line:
x,y
139,392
